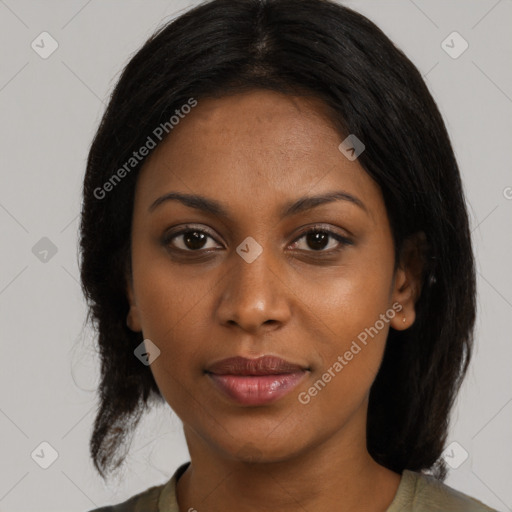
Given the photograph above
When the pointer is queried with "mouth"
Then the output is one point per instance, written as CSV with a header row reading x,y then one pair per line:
x,y
256,381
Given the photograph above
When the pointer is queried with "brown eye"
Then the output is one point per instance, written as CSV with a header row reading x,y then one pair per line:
x,y
317,239
188,239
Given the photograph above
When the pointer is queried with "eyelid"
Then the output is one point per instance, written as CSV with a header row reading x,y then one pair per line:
x,y
343,240
171,234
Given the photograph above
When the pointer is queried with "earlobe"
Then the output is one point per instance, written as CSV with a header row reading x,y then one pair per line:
x,y
408,280
405,316
132,318
404,298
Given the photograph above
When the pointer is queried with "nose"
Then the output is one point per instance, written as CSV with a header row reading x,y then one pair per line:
x,y
254,295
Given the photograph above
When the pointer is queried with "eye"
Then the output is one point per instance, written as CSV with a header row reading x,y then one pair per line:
x,y
318,237
192,239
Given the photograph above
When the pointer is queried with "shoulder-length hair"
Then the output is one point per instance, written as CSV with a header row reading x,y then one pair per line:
x,y
321,49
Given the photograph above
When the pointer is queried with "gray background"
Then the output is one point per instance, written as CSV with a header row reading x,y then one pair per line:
x,y
49,111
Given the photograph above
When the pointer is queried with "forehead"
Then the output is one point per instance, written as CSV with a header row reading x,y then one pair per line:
x,y
260,145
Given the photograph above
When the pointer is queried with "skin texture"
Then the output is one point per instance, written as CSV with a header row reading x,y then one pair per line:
x,y
255,152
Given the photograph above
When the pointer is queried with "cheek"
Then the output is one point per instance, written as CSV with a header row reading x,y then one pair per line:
x,y
351,313
349,359
173,311
181,340
167,293
174,315
352,297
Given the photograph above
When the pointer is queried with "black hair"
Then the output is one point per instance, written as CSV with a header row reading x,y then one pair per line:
x,y
321,49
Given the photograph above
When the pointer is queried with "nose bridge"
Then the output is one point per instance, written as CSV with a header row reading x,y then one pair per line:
x,y
252,293
254,265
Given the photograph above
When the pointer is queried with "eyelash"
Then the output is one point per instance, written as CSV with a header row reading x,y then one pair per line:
x,y
343,241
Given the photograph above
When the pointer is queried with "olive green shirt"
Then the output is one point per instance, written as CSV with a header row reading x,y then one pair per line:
x,y
416,493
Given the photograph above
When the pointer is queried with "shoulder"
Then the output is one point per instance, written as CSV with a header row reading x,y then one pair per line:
x,y
429,493
146,501
155,499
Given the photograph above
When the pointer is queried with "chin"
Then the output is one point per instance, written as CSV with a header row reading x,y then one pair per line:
x,y
266,451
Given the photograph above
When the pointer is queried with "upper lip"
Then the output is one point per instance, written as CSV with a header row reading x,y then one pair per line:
x,y
265,365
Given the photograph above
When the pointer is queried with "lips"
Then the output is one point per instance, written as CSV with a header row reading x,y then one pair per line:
x,y
255,381
266,365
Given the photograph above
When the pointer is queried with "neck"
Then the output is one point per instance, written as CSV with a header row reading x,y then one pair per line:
x,y
318,478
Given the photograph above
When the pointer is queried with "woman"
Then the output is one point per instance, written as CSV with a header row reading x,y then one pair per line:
x,y
275,243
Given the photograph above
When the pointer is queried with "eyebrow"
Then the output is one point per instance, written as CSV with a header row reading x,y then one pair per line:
x,y
291,208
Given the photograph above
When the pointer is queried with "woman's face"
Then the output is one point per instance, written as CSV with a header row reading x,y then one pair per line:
x,y
250,282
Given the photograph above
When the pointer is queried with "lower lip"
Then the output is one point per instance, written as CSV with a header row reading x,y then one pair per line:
x,y
257,389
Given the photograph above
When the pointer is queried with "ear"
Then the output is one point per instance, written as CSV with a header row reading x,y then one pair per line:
x,y
133,317
408,280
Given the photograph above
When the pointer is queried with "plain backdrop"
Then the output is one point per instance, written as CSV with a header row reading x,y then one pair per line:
x,y
49,110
